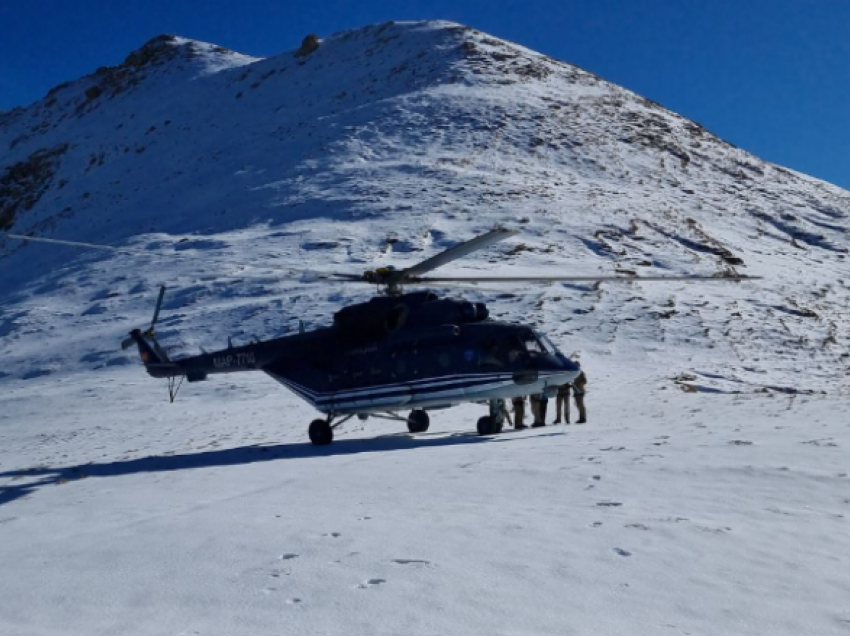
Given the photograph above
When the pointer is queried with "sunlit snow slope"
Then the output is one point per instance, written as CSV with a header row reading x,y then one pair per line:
x,y
385,145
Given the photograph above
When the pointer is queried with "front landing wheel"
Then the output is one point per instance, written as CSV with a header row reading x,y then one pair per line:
x,y
418,421
321,432
488,425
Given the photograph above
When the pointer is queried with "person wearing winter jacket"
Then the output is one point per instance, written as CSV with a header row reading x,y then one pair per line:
x,y
579,390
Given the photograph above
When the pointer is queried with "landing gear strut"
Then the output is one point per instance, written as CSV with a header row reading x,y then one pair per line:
x,y
492,424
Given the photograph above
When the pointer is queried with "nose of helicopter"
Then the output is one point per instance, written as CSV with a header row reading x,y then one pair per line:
x,y
558,369
552,370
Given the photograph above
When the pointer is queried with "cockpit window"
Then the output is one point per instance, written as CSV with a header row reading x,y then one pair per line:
x,y
532,344
548,345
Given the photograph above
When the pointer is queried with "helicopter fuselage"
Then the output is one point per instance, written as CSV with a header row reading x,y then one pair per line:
x,y
412,351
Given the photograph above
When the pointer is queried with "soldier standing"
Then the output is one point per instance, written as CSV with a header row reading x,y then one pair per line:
x,y
544,402
579,390
519,412
563,402
534,404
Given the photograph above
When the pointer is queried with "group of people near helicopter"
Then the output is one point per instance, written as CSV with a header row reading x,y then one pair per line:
x,y
539,402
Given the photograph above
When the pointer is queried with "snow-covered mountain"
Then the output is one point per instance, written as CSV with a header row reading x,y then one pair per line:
x,y
384,145
670,512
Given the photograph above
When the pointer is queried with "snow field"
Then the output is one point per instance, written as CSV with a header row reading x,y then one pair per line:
x,y
669,512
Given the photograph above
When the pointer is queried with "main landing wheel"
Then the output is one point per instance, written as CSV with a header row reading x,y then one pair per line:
x,y
418,421
488,425
321,432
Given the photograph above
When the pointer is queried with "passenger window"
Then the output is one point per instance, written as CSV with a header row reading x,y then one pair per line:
x,y
489,356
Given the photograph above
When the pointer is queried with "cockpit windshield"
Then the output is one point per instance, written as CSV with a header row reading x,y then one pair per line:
x,y
532,344
548,345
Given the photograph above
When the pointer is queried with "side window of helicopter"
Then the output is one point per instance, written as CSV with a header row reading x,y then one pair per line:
x,y
516,350
489,356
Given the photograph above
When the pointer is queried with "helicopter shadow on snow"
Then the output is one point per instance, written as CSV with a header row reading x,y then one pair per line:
x,y
49,476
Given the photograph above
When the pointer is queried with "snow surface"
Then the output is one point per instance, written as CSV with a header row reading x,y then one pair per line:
x,y
669,513
718,411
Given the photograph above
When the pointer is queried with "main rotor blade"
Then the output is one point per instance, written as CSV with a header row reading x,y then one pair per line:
x,y
182,256
454,253
37,239
577,279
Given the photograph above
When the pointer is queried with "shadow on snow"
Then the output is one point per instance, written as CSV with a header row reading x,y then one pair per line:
x,y
50,476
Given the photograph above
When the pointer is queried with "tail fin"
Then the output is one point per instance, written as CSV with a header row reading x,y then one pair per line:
x,y
146,352
155,359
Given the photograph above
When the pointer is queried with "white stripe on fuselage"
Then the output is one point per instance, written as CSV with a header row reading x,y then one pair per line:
x,y
416,394
411,384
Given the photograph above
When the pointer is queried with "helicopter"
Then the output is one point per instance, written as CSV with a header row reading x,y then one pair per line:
x,y
398,351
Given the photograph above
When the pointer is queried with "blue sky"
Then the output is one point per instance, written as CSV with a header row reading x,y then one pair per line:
x,y
771,76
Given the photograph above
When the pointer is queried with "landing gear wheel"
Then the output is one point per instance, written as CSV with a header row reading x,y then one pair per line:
x,y
418,421
321,432
489,425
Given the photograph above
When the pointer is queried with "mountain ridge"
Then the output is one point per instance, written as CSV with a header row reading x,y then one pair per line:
x,y
407,137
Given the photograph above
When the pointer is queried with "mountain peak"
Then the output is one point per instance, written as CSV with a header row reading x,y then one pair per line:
x,y
158,50
406,137
168,52
164,55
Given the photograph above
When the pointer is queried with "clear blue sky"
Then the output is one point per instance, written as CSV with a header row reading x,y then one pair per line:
x,y
771,76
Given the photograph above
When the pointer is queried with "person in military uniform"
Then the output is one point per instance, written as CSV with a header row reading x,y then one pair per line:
x,y
562,403
534,405
579,389
543,402
519,412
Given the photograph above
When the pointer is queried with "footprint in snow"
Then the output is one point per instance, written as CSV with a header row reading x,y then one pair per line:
x,y
334,535
608,504
293,601
371,583
718,530
623,553
287,556
411,561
